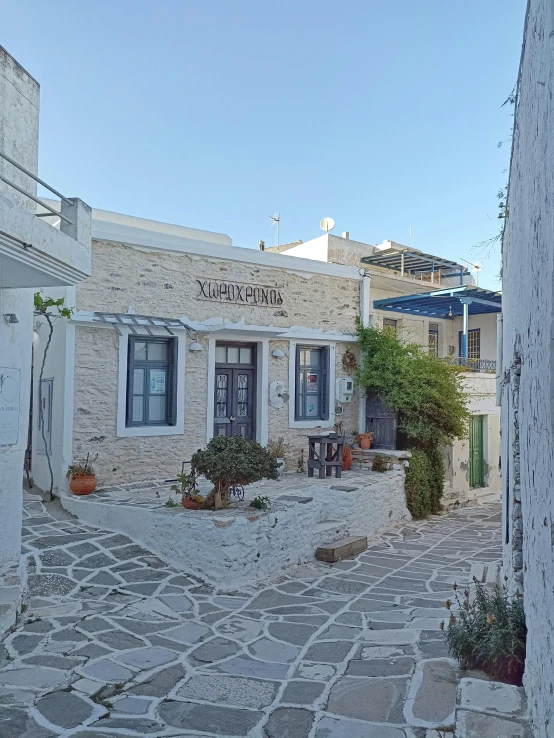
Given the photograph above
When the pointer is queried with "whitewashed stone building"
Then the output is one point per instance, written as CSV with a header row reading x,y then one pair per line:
x,y
33,256
526,386
179,336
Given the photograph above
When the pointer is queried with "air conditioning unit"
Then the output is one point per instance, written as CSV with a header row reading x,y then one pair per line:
x,y
344,389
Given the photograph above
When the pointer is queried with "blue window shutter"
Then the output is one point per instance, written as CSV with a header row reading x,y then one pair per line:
x,y
172,383
130,368
297,415
325,358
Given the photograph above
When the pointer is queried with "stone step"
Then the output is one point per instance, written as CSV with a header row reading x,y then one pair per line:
x,y
327,525
342,549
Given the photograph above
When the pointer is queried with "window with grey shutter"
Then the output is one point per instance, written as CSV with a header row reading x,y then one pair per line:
x,y
312,383
151,381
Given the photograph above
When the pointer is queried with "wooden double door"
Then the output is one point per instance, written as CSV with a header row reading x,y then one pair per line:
x,y
235,390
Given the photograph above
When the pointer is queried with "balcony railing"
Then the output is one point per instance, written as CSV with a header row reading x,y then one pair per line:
x,y
488,366
51,210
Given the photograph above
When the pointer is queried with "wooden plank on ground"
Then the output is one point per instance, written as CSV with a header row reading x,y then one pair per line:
x,y
342,549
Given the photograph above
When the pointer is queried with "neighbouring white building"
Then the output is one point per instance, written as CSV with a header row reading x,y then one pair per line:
x,y
429,300
33,256
527,377
179,336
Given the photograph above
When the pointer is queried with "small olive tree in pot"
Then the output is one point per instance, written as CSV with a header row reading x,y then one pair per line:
x,y
231,460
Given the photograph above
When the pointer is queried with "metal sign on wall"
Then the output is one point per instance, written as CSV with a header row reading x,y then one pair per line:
x,y
239,293
10,380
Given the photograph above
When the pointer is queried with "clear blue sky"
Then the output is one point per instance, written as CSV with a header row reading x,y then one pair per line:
x,y
217,113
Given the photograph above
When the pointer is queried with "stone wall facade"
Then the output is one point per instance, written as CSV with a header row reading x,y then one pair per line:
x,y
528,360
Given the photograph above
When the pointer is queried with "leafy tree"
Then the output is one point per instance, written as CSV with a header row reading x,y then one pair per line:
x,y
429,397
230,460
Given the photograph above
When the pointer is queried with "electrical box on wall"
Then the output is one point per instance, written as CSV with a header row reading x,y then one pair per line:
x,y
344,389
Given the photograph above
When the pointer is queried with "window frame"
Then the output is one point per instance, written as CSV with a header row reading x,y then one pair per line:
x,y
392,324
324,388
433,332
169,364
474,331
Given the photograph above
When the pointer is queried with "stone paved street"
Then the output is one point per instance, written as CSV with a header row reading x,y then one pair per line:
x,y
116,642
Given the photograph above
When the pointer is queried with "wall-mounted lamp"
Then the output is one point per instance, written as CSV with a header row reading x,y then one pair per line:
x,y
195,346
10,318
278,353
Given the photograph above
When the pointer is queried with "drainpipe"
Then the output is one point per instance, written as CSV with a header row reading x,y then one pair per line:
x,y
499,347
365,300
464,329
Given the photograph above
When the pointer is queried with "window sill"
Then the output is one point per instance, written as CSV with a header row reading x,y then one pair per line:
x,y
311,423
149,430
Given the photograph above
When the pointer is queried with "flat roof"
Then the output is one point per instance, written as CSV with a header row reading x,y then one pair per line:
x,y
408,260
446,303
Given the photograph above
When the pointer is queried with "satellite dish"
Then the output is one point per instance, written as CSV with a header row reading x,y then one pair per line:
x,y
327,224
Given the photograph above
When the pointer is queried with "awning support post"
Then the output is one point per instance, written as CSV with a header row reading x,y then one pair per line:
x,y
464,332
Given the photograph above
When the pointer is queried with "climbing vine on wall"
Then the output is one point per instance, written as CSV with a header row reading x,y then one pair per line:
x,y
428,395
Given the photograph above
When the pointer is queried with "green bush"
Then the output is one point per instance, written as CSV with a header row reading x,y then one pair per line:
x,y
489,633
381,463
430,401
232,460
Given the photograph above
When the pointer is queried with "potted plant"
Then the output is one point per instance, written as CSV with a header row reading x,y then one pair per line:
x,y
346,458
82,479
232,460
364,439
191,498
277,450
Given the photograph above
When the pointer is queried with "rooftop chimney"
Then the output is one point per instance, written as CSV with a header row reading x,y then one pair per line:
x,y
261,245
346,235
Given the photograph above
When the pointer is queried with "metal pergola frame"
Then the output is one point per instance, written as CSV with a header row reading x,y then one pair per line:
x,y
411,261
133,322
446,304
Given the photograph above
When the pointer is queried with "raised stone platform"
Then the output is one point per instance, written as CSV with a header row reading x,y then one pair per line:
x,y
240,545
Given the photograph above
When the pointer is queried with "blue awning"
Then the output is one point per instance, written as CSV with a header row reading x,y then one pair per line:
x,y
446,303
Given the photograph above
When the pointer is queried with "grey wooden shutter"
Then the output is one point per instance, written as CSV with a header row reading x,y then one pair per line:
x,y
172,383
130,367
325,357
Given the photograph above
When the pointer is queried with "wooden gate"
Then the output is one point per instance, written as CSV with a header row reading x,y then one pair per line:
x,y
381,421
476,456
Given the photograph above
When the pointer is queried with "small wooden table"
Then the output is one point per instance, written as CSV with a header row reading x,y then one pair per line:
x,y
325,454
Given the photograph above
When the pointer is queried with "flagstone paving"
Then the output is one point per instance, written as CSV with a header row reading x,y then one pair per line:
x,y
115,641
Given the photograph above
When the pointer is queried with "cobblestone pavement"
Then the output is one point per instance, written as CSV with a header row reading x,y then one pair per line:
x,y
115,641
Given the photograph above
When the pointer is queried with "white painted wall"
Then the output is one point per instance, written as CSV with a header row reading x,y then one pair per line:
x,y
19,110
528,360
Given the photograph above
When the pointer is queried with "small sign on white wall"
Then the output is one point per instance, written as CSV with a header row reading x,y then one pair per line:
x,y
10,381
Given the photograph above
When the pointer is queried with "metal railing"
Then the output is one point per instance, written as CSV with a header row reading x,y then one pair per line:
x,y
488,366
51,210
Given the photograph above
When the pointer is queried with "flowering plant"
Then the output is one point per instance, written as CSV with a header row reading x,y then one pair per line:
x,y
487,631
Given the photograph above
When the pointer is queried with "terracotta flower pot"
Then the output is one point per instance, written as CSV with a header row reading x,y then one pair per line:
x,y
365,443
82,485
346,458
190,504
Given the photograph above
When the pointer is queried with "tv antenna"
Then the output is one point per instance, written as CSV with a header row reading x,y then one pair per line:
x,y
326,224
477,266
276,218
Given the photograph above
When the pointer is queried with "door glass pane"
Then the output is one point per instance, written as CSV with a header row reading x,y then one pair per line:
x,y
140,350
138,409
221,396
245,353
221,354
138,381
312,406
232,354
157,351
242,395
156,408
242,431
